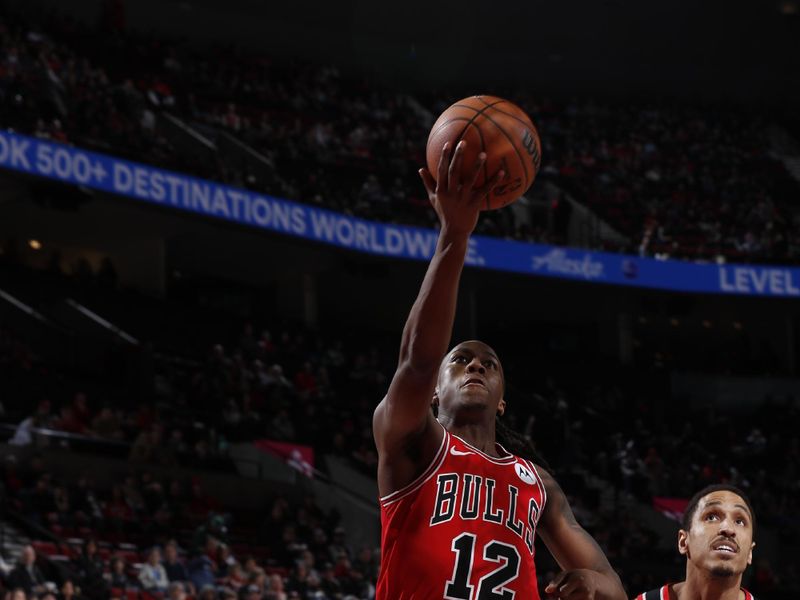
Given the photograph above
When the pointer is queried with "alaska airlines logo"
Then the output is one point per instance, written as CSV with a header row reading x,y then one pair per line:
x,y
556,261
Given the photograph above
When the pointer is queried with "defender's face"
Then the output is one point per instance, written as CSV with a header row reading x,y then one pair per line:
x,y
720,539
471,376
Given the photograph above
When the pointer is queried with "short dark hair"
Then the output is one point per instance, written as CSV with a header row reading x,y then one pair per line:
x,y
691,508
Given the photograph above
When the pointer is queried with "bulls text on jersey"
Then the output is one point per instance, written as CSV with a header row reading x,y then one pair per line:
x,y
472,497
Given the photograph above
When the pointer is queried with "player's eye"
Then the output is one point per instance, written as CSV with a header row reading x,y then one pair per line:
x,y
711,517
741,521
489,364
459,358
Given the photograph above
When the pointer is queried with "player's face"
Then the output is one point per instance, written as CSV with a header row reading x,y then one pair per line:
x,y
471,376
720,540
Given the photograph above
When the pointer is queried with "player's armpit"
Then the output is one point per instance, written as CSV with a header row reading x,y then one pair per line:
x,y
572,546
403,454
405,412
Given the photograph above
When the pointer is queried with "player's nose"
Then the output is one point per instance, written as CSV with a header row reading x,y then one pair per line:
x,y
476,365
726,528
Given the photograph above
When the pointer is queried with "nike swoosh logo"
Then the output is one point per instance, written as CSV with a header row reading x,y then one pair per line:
x,y
455,452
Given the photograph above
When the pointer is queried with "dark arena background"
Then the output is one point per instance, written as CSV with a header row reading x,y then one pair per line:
x,y
212,230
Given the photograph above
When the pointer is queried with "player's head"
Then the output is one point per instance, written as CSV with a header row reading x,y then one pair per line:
x,y
470,382
716,534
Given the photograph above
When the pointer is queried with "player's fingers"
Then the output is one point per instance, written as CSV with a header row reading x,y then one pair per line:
x,y
428,181
454,181
476,170
441,170
558,581
572,587
487,187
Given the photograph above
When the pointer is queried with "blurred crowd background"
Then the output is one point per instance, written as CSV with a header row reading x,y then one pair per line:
x,y
171,412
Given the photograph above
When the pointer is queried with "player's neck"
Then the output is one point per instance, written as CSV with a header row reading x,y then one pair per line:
x,y
479,435
701,585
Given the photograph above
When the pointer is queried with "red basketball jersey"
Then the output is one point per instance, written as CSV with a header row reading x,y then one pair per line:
x,y
463,530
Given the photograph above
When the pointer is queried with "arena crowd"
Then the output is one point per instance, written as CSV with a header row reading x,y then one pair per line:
x,y
676,181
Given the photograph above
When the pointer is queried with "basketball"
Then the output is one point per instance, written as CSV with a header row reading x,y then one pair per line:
x,y
497,127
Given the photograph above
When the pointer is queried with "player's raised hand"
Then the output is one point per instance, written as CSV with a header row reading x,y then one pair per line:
x,y
577,584
453,194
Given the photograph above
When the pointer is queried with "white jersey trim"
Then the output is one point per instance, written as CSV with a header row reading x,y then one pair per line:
x,y
437,461
503,460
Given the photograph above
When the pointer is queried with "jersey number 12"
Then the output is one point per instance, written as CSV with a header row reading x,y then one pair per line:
x,y
492,585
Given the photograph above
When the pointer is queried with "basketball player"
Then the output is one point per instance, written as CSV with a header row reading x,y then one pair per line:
x,y
716,536
459,512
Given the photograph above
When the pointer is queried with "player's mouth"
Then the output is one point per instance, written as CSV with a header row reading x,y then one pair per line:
x,y
727,547
473,381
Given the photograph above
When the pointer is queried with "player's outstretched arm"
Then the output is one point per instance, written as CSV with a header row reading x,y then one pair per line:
x,y
586,573
403,418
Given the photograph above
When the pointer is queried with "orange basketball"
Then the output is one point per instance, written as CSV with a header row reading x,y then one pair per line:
x,y
497,127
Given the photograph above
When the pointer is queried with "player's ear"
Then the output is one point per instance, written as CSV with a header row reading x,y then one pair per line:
x,y
683,542
750,554
501,407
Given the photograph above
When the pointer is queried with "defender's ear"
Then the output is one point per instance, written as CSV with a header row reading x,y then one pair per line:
x,y
683,542
501,407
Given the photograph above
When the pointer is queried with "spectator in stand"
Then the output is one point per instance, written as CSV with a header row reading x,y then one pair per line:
x,y
258,577
146,448
298,582
173,565
69,422
235,578
366,564
224,560
152,576
89,567
226,594
176,591
208,592
118,576
70,592
80,409
276,590
85,502
305,381
133,495
63,513
27,575
201,572
107,424
117,511
24,433
338,546
330,583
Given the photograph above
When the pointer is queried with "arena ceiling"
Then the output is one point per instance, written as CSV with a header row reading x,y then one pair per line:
x,y
745,50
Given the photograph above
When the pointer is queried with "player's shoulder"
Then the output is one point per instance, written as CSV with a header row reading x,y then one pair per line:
x,y
665,593
660,593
